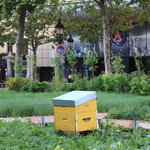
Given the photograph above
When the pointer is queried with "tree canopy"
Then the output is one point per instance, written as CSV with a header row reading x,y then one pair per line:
x,y
99,20
18,9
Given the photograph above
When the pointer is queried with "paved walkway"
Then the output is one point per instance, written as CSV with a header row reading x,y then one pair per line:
x,y
101,119
2,89
44,119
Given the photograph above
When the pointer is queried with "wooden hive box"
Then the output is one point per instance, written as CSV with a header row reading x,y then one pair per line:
x,y
76,111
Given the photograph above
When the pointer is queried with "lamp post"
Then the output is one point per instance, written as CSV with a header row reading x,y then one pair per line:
x,y
70,42
59,32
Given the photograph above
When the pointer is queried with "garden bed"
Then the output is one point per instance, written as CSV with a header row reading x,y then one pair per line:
x,y
26,135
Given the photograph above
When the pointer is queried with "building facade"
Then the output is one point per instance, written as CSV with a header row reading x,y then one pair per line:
x,y
135,42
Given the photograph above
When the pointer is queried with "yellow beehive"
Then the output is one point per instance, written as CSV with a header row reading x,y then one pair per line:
x,y
76,111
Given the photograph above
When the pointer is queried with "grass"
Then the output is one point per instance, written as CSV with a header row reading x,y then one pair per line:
x,y
107,101
13,104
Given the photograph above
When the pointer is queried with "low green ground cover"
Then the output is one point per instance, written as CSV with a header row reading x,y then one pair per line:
x,y
120,106
17,135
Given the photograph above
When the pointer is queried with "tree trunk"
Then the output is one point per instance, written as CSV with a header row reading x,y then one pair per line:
x,y
107,42
19,43
34,64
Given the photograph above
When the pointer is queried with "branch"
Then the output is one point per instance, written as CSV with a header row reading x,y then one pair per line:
x,y
98,2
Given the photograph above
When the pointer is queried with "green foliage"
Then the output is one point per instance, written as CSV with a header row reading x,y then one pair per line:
x,y
96,84
14,12
108,82
117,64
24,135
58,84
33,86
132,113
72,60
100,21
26,85
16,83
138,63
79,83
140,85
116,82
15,104
121,82
57,62
91,60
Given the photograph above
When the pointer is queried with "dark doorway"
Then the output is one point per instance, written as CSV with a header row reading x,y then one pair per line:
x,y
46,73
132,65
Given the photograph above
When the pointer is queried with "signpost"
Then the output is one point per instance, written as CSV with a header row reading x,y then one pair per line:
x,y
61,50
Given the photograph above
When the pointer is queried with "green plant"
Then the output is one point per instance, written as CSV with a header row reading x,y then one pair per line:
x,y
96,84
79,83
25,135
131,113
138,63
15,84
91,60
72,60
117,64
16,103
120,82
58,84
140,85
57,62
108,82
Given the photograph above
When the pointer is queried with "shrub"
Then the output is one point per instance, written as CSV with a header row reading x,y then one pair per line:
x,y
58,84
35,86
140,85
96,84
108,82
117,82
15,84
79,83
121,82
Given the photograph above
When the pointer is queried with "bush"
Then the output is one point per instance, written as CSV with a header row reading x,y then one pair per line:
x,y
96,84
117,82
140,85
36,86
15,84
120,82
108,82
58,84
79,84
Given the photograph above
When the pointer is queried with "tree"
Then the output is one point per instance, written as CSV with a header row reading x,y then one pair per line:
x,y
18,8
105,17
144,15
37,28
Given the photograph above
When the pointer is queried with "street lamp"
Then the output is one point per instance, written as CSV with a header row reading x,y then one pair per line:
x,y
70,42
59,27
59,31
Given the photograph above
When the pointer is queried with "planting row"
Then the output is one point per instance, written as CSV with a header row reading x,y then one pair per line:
x,y
117,82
